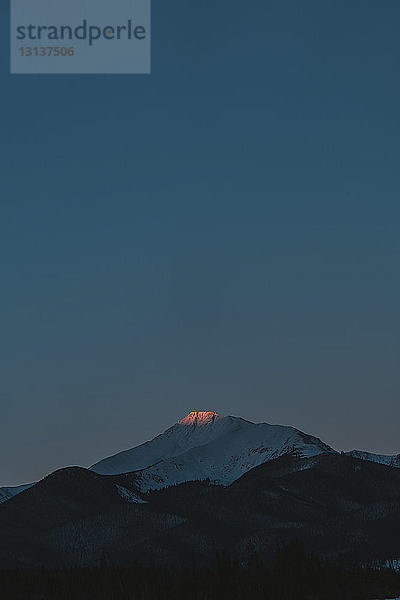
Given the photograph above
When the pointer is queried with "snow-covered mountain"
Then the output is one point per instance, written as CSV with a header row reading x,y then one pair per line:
x,y
383,459
196,429
206,445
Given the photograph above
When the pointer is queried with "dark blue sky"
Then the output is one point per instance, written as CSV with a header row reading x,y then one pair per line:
x,y
220,235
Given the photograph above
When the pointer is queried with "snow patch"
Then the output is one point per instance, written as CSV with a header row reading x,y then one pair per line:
x,y
129,496
382,459
6,493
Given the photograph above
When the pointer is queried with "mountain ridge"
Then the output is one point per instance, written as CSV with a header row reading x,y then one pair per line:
x,y
334,503
206,445
390,460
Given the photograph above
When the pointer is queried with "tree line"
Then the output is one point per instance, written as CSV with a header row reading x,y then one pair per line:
x,y
293,574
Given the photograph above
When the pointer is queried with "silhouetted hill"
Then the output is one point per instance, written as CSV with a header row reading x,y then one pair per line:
x,y
335,503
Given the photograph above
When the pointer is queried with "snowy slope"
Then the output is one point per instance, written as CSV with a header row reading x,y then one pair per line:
x,y
9,492
196,429
207,445
203,445
383,459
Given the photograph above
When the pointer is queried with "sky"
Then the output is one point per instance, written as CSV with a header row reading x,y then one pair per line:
x,y
222,234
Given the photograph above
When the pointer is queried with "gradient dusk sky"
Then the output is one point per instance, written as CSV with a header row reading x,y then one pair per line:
x,y
220,235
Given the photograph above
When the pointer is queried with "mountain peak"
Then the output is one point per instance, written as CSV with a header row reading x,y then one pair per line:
x,y
200,418
205,444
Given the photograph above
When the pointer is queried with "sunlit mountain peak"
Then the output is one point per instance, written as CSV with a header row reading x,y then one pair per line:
x,y
200,418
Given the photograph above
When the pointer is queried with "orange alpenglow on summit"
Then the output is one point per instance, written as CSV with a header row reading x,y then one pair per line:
x,y
200,418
